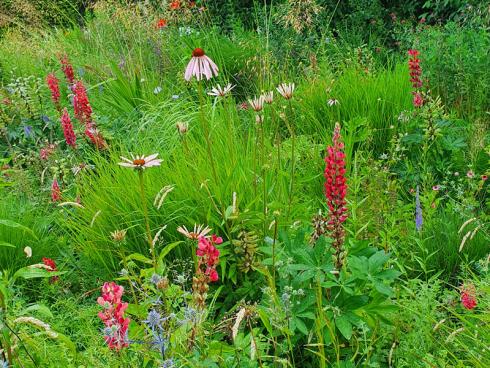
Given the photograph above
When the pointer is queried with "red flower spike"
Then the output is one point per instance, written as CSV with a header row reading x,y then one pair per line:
x,y
68,132
67,69
335,192
53,85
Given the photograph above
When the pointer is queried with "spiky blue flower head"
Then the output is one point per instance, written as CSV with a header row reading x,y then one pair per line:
x,y
154,319
418,212
168,363
155,278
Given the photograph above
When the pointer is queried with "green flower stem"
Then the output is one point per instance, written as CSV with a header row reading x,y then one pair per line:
x,y
147,220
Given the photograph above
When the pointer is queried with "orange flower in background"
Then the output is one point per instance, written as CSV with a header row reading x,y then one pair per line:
x,y
174,5
162,23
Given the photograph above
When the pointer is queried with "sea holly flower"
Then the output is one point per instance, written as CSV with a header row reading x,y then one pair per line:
x,y
140,162
55,191
335,192
68,132
219,91
67,69
200,66
257,104
286,90
53,85
199,231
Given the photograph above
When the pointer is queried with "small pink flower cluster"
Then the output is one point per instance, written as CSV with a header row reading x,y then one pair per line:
x,y
116,334
68,132
208,256
335,192
468,296
53,85
415,77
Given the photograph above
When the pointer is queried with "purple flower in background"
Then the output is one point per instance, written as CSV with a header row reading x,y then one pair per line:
x,y
27,130
418,212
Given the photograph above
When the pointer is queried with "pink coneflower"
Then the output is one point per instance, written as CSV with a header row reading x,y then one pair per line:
x,y
199,231
67,69
286,90
81,105
53,85
335,192
484,177
468,296
200,65
268,97
219,91
436,188
141,162
68,132
257,104
55,191
470,174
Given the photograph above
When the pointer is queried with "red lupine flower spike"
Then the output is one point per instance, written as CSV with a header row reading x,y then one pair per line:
x,y
67,69
53,85
68,132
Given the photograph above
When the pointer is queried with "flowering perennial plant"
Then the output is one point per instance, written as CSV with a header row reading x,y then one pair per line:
x,y
335,192
415,77
55,191
116,324
68,132
208,259
67,69
468,296
81,105
200,66
53,85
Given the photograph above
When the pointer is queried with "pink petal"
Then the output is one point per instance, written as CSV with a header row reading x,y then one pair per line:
x,y
189,69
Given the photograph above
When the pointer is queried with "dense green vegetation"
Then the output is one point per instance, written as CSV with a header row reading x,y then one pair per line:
x,y
327,208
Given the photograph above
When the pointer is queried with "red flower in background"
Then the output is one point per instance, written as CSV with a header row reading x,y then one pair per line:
x,y
162,23
68,132
174,5
67,69
335,192
415,77
53,85
51,264
468,296
55,191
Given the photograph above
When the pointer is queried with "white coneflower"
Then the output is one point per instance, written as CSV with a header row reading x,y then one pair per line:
x,y
286,90
200,231
200,65
118,235
219,91
268,97
141,162
331,102
257,104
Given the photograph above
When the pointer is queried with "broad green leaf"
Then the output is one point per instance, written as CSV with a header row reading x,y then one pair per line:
x,y
167,249
32,273
40,308
344,326
139,257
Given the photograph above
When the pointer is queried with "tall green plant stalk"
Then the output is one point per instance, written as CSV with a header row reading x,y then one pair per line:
x,y
147,219
293,158
205,126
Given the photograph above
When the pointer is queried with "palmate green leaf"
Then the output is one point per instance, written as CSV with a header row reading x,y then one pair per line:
x,y
344,326
377,261
16,225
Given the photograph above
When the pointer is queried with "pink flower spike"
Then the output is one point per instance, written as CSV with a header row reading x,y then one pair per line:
x,y
55,191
